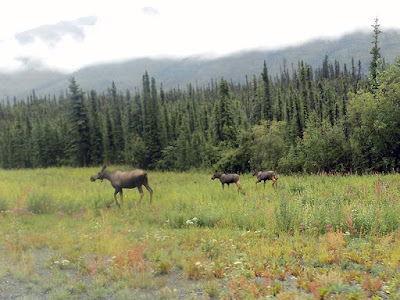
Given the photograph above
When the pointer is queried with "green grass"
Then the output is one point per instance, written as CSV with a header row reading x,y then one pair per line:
x,y
314,235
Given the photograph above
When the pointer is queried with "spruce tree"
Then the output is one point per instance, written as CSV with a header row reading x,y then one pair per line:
x,y
96,143
376,63
267,103
325,67
116,122
137,114
152,128
256,111
223,116
78,127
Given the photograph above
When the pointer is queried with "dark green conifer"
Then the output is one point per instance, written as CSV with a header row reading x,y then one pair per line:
x,y
267,102
78,127
376,62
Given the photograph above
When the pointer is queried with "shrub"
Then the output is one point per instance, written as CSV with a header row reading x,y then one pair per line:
x,y
40,203
3,204
163,267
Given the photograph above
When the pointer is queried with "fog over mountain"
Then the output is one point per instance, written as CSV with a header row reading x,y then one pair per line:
x,y
173,73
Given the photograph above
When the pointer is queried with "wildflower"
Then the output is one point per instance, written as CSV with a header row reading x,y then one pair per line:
x,y
237,262
189,222
328,227
194,219
355,231
302,226
198,264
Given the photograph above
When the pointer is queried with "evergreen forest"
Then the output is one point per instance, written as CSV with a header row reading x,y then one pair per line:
x,y
336,118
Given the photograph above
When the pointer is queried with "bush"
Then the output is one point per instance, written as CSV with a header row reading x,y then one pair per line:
x,y
40,203
3,204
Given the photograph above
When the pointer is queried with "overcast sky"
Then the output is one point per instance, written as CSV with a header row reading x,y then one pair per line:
x,y
69,34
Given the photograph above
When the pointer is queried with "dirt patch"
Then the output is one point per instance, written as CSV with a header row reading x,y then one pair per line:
x,y
38,276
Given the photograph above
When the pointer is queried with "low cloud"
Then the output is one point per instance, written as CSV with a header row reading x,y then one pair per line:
x,y
52,34
150,11
30,63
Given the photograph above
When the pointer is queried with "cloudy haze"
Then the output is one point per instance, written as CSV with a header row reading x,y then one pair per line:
x,y
67,35
51,35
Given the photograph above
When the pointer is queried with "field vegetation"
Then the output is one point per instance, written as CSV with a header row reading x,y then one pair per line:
x,y
313,237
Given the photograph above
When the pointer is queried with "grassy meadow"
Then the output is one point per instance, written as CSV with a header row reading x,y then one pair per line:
x,y
312,237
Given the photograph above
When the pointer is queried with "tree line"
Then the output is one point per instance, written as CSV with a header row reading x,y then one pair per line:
x,y
333,118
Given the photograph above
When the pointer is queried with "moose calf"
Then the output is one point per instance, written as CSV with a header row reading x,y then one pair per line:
x,y
265,175
227,179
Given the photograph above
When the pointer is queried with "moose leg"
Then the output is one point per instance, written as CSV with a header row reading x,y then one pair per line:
x,y
274,179
264,183
121,197
238,185
150,191
141,193
115,196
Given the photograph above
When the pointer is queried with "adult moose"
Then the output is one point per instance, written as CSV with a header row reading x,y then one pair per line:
x,y
227,179
124,180
265,175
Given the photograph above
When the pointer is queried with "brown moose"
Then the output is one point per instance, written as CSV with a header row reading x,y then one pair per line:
x,y
265,175
125,180
227,179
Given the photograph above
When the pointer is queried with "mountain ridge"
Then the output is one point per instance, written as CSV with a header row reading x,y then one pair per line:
x,y
174,72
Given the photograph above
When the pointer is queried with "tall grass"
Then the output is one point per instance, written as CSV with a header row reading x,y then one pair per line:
x,y
313,234
308,203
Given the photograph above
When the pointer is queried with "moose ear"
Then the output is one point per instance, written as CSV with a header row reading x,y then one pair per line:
x,y
104,167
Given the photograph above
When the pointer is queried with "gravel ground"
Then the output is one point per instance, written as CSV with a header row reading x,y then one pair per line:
x,y
36,280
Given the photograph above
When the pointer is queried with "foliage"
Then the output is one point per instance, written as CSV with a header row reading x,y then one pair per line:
x,y
374,121
269,145
325,147
326,119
